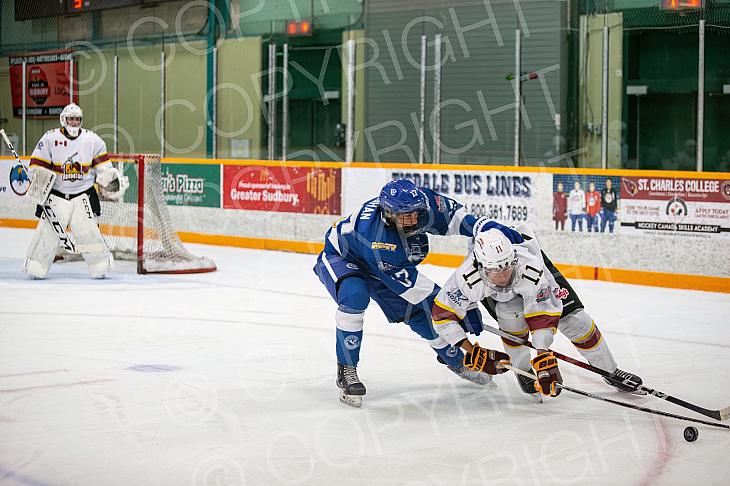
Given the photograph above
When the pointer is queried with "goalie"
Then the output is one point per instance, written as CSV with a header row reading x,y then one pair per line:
x,y
64,166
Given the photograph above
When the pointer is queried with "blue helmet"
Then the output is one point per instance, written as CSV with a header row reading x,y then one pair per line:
x,y
405,207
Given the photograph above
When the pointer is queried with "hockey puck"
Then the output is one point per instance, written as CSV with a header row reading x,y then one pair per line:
x,y
691,434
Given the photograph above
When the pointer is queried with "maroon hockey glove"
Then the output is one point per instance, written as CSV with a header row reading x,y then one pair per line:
x,y
485,360
548,375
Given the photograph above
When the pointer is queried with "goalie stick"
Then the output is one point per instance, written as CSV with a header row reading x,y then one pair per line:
x,y
722,414
617,402
63,237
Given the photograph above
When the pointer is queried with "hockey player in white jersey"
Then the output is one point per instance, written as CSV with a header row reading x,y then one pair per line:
x,y
524,292
64,166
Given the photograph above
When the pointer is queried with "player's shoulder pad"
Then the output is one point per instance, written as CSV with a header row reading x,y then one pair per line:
x,y
438,201
532,270
428,192
368,210
467,273
526,256
91,133
526,231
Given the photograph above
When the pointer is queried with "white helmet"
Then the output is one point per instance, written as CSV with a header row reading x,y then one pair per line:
x,y
496,259
71,111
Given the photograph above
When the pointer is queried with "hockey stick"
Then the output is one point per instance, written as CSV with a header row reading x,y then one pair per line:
x,y
722,414
63,237
616,402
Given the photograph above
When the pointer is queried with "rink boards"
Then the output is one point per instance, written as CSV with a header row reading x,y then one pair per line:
x,y
665,224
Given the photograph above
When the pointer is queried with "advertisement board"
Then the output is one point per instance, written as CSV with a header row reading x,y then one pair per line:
x,y
679,206
192,185
14,181
586,203
47,83
282,189
504,196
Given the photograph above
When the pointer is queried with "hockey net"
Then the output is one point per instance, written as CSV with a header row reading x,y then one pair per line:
x,y
139,227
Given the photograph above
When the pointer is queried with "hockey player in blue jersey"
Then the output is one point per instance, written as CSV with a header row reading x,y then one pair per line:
x,y
373,254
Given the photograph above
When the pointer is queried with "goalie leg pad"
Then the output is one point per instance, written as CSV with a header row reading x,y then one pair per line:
x,y
89,241
43,246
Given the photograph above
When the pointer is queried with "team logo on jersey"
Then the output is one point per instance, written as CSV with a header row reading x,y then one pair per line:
x,y
452,351
440,205
351,266
384,266
379,245
72,170
456,296
561,293
543,294
19,181
352,342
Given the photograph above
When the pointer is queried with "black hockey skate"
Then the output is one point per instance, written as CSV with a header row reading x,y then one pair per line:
x,y
351,388
625,382
528,386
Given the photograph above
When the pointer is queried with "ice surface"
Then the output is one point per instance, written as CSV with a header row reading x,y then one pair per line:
x,y
229,378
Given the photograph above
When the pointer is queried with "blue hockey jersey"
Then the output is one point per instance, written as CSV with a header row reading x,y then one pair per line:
x,y
386,255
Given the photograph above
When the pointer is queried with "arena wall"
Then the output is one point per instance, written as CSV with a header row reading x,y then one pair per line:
x,y
672,228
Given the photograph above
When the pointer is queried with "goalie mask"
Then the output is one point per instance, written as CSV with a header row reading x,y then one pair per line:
x,y
405,207
71,119
496,260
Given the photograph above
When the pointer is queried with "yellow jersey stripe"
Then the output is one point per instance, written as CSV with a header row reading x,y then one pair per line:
x,y
41,159
543,314
586,335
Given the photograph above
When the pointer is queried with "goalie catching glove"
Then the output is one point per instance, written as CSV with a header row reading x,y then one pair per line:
x,y
112,184
548,376
486,360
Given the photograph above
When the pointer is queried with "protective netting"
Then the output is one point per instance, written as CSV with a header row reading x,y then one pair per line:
x,y
677,15
146,236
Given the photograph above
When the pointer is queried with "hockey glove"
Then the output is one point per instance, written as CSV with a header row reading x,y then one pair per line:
x,y
112,184
548,375
484,224
485,360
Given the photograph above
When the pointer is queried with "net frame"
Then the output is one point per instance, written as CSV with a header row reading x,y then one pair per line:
x,y
170,255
